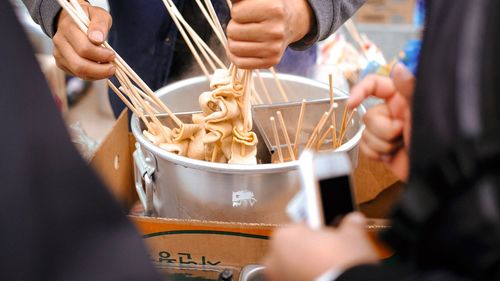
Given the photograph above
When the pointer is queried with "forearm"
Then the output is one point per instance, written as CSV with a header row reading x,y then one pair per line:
x,y
44,13
329,16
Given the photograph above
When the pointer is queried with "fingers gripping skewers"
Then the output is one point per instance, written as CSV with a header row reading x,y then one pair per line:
x,y
225,126
139,95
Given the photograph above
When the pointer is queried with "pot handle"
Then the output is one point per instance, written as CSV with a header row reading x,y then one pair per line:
x,y
143,172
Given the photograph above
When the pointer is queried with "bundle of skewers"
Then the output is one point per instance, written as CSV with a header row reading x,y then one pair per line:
x,y
325,134
226,122
206,58
222,131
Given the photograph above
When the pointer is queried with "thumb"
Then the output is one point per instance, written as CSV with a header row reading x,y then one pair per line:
x,y
353,220
404,81
100,23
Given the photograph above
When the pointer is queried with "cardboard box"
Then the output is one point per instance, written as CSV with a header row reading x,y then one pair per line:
x,y
201,248
386,12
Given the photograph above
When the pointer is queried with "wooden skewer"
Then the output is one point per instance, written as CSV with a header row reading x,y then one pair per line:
x,y
215,152
134,99
250,91
73,13
124,88
127,102
351,28
211,53
334,131
344,119
332,104
285,133
150,93
330,82
257,97
205,54
320,126
151,114
126,93
247,76
78,7
221,37
148,90
346,126
186,37
323,138
215,19
300,122
194,37
233,71
264,88
139,113
278,83
316,130
148,98
82,21
276,139
204,48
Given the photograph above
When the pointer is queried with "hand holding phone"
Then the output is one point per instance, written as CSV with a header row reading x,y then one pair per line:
x,y
326,187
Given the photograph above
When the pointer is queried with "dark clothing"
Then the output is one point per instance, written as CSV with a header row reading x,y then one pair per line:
x,y
58,221
145,36
447,224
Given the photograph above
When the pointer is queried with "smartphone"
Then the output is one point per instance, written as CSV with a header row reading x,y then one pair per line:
x,y
326,187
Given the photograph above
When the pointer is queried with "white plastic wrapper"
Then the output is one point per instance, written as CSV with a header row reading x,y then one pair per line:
x,y
85,144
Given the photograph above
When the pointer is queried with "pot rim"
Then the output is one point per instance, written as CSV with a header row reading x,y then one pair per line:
x,y
234,168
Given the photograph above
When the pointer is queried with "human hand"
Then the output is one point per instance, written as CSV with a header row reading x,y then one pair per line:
x,y
261,30
298,253
388,125
82,54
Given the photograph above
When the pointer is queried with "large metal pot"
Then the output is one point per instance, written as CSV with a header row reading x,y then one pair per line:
x,y
178,187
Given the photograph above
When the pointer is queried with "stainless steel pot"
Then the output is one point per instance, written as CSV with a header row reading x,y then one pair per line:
x,y
173,186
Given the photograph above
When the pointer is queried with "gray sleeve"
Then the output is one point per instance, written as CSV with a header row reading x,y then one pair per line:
x,y
330,15
44,12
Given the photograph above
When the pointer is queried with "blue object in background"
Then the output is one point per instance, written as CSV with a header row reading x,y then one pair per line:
x,y
371,68
411,54
409,57
419,13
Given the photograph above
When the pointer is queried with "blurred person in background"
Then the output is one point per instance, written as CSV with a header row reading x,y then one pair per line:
x,y
142,32
446,226
59,222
